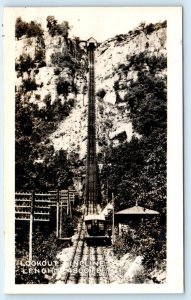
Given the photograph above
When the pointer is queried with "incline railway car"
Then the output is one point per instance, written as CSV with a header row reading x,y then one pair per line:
x,y
96,230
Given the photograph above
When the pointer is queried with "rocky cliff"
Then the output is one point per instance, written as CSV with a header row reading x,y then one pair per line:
x,y
52,82
116,71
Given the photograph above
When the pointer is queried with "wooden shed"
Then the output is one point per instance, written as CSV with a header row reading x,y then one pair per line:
x,y
134,215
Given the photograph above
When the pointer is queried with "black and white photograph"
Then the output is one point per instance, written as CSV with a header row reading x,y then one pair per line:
x,y
91,127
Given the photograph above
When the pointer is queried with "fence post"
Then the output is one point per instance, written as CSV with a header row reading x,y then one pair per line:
x,y
31,225
57,212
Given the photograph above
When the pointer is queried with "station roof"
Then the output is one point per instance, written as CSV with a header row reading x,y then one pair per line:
x,y
92,40
137,210
92,43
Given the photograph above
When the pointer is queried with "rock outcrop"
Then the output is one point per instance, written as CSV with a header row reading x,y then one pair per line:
x,y
53,69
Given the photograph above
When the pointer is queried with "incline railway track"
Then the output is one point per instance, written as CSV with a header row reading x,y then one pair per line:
x,y
91,192
88,263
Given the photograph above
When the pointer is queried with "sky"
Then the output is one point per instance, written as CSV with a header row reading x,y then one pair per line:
x,y
100,23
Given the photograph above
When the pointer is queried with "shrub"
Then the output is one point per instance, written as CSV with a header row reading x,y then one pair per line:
x,y
39,57
25,64
29,85
62,60
62,87
47,100
101,93
149,28
116,85
57,71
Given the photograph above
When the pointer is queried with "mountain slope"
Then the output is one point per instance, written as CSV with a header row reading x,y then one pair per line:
x,y
51,101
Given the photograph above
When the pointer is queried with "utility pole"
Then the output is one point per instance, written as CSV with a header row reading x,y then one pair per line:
x,y
31,225
57,212
113,220
68,203
60,233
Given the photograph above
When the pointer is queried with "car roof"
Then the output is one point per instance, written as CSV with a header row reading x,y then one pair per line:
x,y
100,217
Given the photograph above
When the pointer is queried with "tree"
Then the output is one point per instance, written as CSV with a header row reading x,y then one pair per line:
x,y
136,170
51,25
32,29
57,29
62,87
63,29
24,64
20,28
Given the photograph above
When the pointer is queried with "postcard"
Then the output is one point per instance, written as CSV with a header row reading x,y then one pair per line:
x,y
93,169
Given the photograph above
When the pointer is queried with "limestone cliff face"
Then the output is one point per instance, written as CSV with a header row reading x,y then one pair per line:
x,y
117,70
113,67
57,65
59,72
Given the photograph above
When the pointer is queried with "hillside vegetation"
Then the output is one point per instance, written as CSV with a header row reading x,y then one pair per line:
x,y
51,111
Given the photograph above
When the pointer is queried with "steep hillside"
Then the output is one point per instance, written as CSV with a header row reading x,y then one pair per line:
x,y
51,79
131,86
50,67
118,63
51,111
51,106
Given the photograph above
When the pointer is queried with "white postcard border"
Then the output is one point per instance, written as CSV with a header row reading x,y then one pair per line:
x,y
174,170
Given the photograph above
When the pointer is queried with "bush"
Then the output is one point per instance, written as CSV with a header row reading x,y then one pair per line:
x,y
149,28
147,239
63,60
101,93
29,85
47,100
25,64
45,248
39,57
57,71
